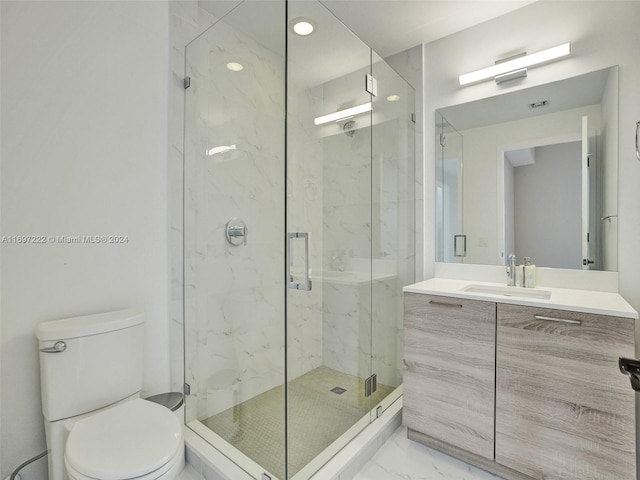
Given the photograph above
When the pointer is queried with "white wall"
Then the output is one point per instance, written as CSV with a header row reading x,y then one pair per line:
x,y
84,152
1,456
602,34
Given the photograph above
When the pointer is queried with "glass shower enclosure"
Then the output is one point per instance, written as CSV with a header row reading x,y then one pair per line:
x,y
298,235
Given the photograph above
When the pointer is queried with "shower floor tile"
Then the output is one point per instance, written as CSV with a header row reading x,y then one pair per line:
x,y
317,417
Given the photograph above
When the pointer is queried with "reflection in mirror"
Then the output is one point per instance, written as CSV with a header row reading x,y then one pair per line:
x,y
532,172
448,190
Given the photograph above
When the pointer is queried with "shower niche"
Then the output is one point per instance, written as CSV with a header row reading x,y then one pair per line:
x,y
293,321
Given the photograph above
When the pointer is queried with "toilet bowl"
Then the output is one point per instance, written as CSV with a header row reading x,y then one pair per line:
x,y
137,440
97,426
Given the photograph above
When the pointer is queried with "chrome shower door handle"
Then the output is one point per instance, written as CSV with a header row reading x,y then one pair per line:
x,y
637,146
306,284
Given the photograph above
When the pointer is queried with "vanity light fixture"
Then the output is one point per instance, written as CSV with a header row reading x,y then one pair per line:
x,y
302,26
234,66
515,67
343,114
393,98
220,149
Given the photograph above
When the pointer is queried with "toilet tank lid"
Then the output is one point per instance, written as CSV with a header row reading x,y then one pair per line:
x,y
89,324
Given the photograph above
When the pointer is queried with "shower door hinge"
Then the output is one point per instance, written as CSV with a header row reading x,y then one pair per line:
x,y
443,140
370,385
371,85
186,82
413,117
186,389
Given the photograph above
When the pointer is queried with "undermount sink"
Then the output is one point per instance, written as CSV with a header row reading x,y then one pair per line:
x,y
508,291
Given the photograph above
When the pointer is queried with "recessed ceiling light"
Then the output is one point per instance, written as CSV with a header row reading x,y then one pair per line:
x,y
302,26
393,98
234,66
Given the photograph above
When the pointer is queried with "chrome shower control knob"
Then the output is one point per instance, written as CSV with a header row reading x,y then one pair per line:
x,y
236,232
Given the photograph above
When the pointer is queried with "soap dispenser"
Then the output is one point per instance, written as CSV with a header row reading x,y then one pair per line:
x,y
529,273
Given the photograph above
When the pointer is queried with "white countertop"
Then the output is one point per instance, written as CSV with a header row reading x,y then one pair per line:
x,y
586,301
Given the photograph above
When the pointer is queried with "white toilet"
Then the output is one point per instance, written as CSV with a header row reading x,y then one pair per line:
x,y
96,425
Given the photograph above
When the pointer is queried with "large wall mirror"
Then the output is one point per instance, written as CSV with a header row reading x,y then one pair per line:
x,y
532,172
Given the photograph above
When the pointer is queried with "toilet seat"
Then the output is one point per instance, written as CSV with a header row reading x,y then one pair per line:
x,y
136,440
169,471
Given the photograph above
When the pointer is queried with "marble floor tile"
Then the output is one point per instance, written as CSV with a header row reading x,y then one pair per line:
x,y
403,459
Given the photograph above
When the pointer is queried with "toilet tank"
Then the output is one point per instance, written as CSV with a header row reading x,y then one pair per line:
x,y
89,362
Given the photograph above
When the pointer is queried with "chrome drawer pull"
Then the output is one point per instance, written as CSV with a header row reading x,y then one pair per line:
x,y
444,304
562,320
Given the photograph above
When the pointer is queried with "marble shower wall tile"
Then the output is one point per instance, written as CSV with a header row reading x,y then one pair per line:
x,y
349,322
409,64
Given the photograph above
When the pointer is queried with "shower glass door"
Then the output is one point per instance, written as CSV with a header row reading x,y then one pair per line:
x,y
234,219
329,206
392,219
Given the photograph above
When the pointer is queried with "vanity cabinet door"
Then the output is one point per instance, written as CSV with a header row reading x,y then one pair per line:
x,y
563,409
449,370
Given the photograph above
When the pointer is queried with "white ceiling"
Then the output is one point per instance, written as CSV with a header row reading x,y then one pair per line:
x,y
390,26
387,26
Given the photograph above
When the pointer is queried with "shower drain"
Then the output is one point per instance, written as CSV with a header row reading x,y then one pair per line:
x,y
338,390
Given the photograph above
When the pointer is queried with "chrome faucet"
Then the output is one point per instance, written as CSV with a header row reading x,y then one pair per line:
x,y
511,270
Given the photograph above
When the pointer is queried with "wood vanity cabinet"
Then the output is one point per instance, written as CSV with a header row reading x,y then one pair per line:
x,y
563,409
528,393
449,370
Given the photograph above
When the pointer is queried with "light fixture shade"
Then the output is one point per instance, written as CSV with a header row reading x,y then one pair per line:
x,y
342,114
516,64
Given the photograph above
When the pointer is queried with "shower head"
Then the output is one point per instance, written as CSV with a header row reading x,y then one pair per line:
x,y
349,128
